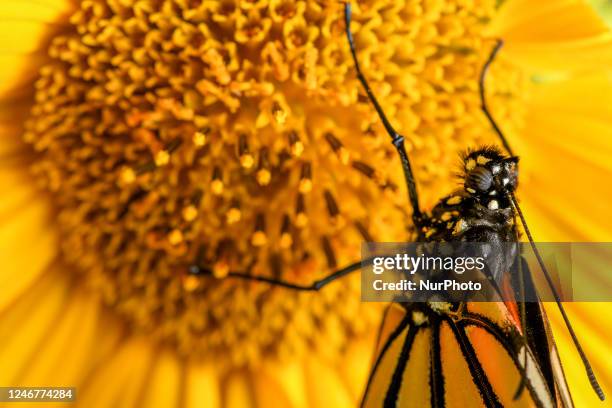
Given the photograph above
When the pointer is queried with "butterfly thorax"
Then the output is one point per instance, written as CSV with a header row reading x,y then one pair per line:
x,y
480,212
483,207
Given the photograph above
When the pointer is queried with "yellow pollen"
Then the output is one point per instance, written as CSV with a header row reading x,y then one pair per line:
x,y
446,216
247,161
199,139
175,237
305,186
217,187
286,240
233,215
128,176
190,213
263,177
162,158
297,149
259,238
191,283
301,220
220,269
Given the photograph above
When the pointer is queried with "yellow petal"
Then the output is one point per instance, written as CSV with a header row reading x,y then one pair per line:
x,y
566,194
18,190
553,35
202,386
163,388
120,381
356,366
238,392
565,149
27,247
546,21
27,242
24,32
63,358
325,388
282,383
584,95
588,54
269,393
593,334
25,325
38,10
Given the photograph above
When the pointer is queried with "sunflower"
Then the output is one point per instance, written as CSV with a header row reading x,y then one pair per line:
x,y
140,138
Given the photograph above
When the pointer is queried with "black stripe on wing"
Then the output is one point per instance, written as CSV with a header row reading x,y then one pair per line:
x,y
436,378
400,328
396,380
478,375
505,339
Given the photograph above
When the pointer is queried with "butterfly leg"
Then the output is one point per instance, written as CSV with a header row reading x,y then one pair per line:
x,y
523,317
315,286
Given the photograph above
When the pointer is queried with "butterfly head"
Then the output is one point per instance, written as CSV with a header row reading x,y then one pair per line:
x,y
489,173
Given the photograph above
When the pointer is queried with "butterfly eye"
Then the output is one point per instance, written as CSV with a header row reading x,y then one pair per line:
x,y
479,179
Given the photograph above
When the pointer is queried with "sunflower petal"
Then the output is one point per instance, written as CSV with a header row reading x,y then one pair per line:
x,y
588,54
356,367
567,134
325,387
202,386
238,391
553,35
62,359
26,232
162,389
547,20
119,381
28,10
285,380
27,323
592,332
24,30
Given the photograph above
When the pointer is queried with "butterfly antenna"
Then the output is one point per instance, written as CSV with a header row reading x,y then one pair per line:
x,y
396,138
583,357
483,100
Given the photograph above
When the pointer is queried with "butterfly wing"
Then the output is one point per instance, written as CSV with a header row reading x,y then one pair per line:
x,y
427,358
541,340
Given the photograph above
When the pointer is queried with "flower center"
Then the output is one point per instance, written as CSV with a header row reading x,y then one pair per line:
x,y
175,133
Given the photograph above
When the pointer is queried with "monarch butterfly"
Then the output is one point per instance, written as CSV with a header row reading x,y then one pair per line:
x,y
462,354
